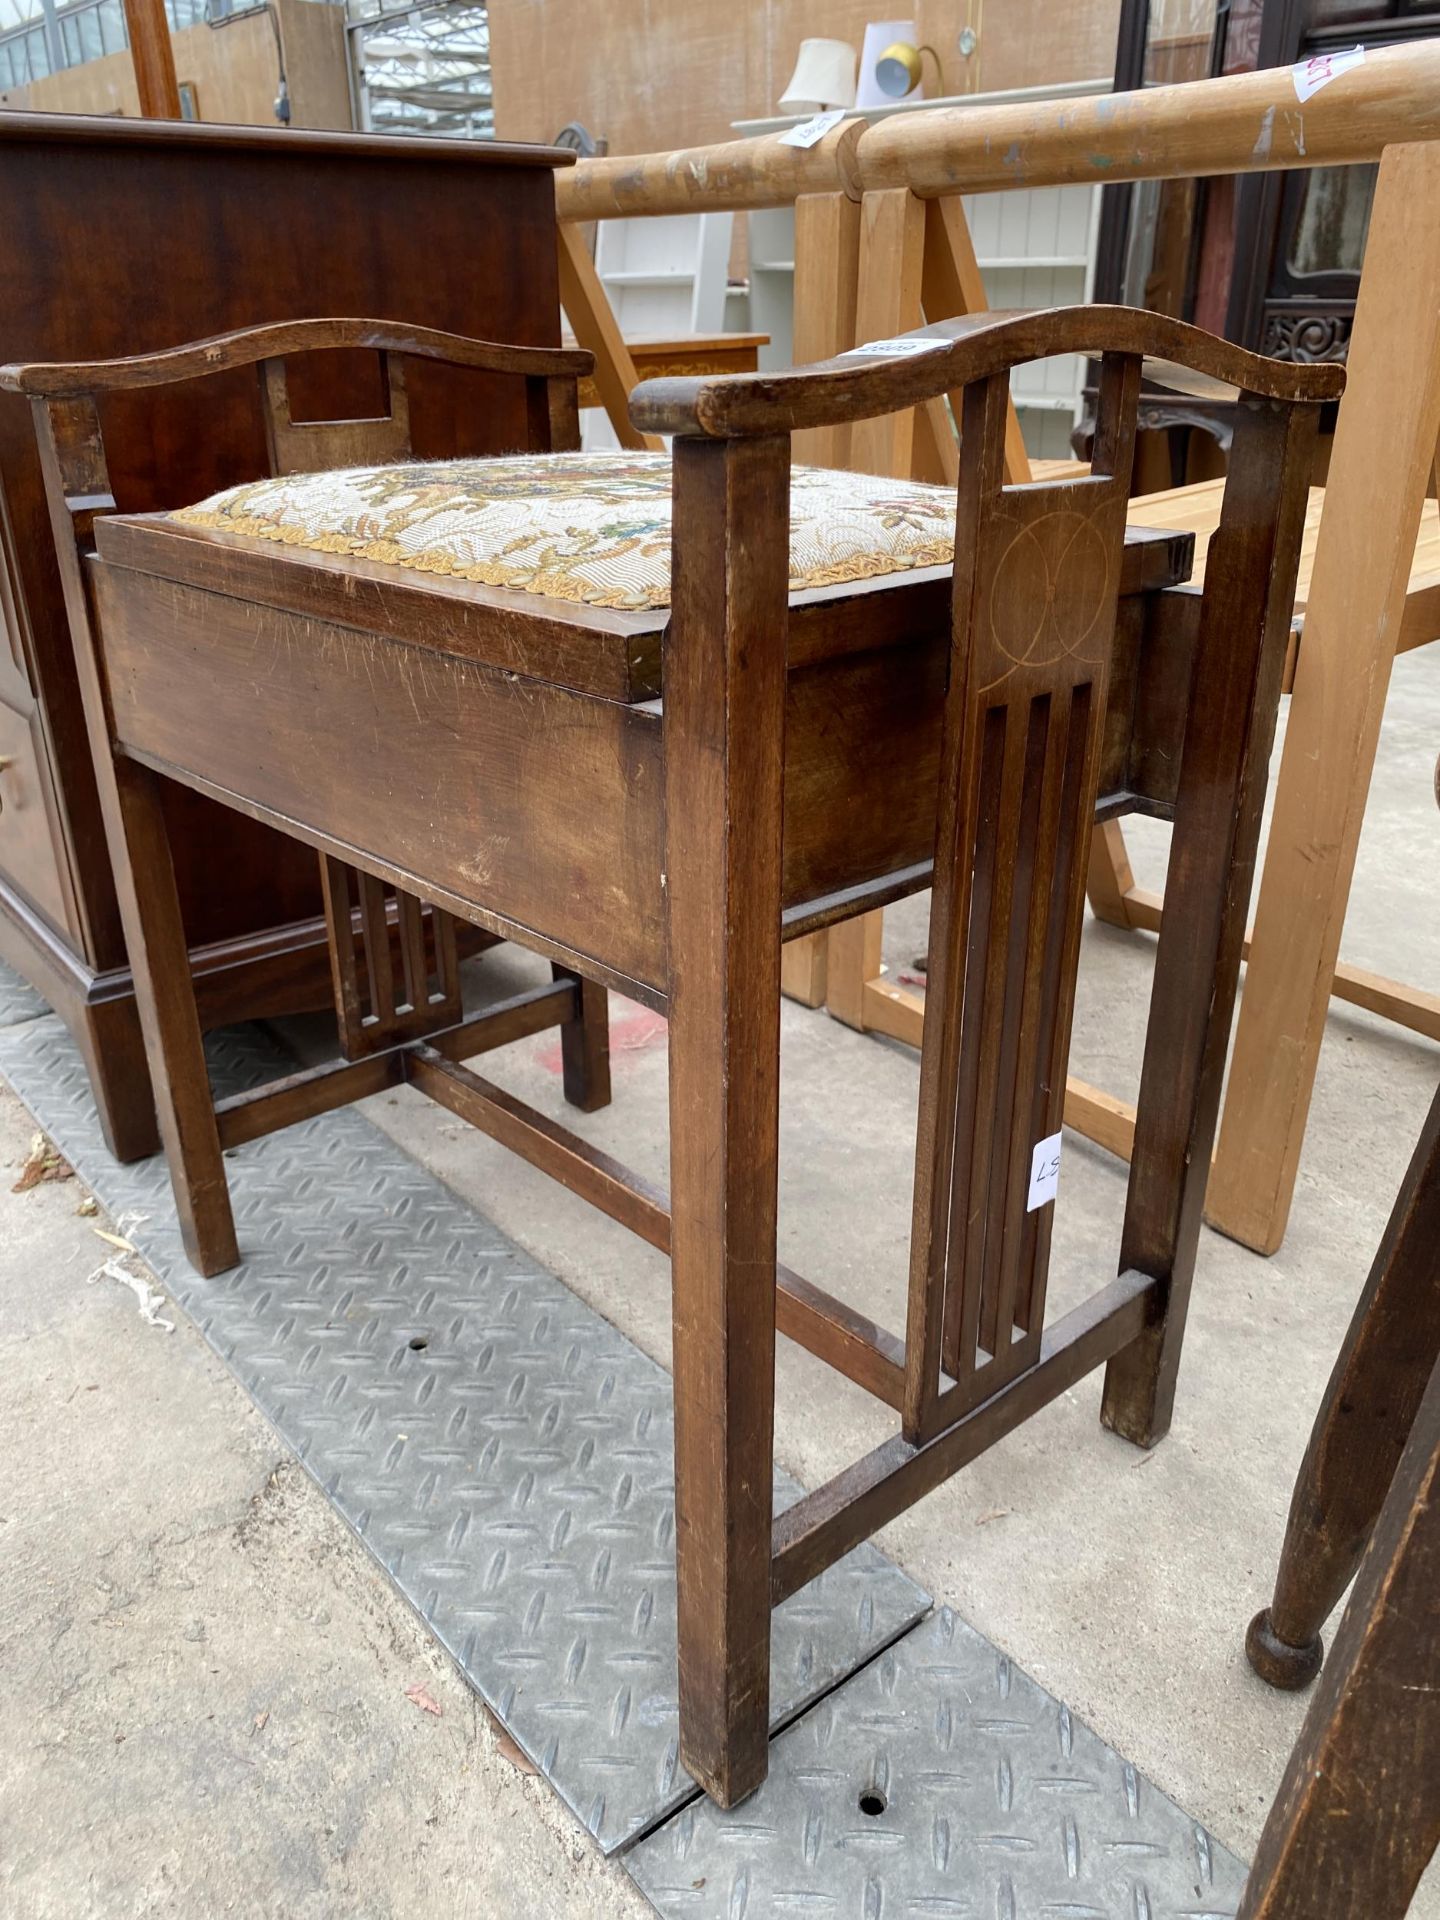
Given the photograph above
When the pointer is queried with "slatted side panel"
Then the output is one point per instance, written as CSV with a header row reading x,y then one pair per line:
x,y
394,962
1037,573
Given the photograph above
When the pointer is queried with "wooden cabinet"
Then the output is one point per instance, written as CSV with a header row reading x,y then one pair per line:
x,y
123,236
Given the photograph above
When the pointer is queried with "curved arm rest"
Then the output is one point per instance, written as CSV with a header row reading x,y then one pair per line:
x,y
249,345
852,387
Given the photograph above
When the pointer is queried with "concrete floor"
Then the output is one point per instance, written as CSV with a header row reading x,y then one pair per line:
x,y
205,1705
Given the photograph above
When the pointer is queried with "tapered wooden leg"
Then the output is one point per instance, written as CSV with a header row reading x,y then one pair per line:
x,y
1234,698
585,1045
1357,1817
724,745
1361,1429
155,936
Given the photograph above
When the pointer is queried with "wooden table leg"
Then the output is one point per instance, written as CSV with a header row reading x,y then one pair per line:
x,y
724,759
1384,446
1379,1380
827,271
1357,1817
160,957
585,1045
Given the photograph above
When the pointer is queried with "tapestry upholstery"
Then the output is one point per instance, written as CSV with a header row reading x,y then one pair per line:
x,y
588,527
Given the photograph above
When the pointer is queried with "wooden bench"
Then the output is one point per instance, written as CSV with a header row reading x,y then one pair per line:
x,y
655,800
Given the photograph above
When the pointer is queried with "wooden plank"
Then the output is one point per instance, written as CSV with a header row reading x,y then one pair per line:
x,y
854,964
827,280
153,56
1109,1122
1407,1006
803,969
892,257
592,321
1384,445
951,284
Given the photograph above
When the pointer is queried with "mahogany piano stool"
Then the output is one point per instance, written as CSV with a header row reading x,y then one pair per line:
x,y
461,752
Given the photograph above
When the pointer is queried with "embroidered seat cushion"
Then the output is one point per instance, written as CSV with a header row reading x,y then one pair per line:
x,y
592,527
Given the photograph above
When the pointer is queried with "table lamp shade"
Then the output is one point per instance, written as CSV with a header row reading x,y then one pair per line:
x,y
824,76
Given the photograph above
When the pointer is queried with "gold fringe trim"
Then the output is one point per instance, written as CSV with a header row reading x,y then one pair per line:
x,y
554,586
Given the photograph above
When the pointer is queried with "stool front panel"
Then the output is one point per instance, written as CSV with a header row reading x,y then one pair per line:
x,y
534,805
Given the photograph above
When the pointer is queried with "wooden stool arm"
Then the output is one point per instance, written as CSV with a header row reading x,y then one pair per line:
x,y
849,388
249,345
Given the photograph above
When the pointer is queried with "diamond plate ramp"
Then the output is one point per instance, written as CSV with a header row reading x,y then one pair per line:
x,y
502,1450
990,1802
18,1000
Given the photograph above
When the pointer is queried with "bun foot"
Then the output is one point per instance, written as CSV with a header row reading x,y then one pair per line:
x,y
1276,1661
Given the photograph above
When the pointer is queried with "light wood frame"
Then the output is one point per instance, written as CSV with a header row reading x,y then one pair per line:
x,y
1384,453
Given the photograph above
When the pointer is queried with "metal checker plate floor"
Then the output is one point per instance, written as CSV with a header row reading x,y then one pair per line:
x,y
998,1804
990,1802
513,1475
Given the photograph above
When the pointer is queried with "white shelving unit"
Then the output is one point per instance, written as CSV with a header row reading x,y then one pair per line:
x,y
664,278
1035,247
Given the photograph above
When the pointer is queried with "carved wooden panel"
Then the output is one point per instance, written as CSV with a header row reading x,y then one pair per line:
x,y
1036,582
314,446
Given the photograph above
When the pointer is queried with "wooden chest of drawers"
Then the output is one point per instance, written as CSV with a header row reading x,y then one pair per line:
x,y
125,236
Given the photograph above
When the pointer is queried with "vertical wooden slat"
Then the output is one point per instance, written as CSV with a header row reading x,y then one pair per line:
x,y
414,969
962,1308
1031,1027
447,961
563,412
337,883
988,1031
1062,953
375,935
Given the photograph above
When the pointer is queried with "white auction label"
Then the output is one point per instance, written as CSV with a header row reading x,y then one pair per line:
x,y
895,349
1044,1173
811,132
1310,75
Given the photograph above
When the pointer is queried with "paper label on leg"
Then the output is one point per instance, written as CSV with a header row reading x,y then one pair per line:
x,y
1044,1173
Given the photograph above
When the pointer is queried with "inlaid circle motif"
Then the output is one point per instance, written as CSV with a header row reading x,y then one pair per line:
x,y
1050,587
